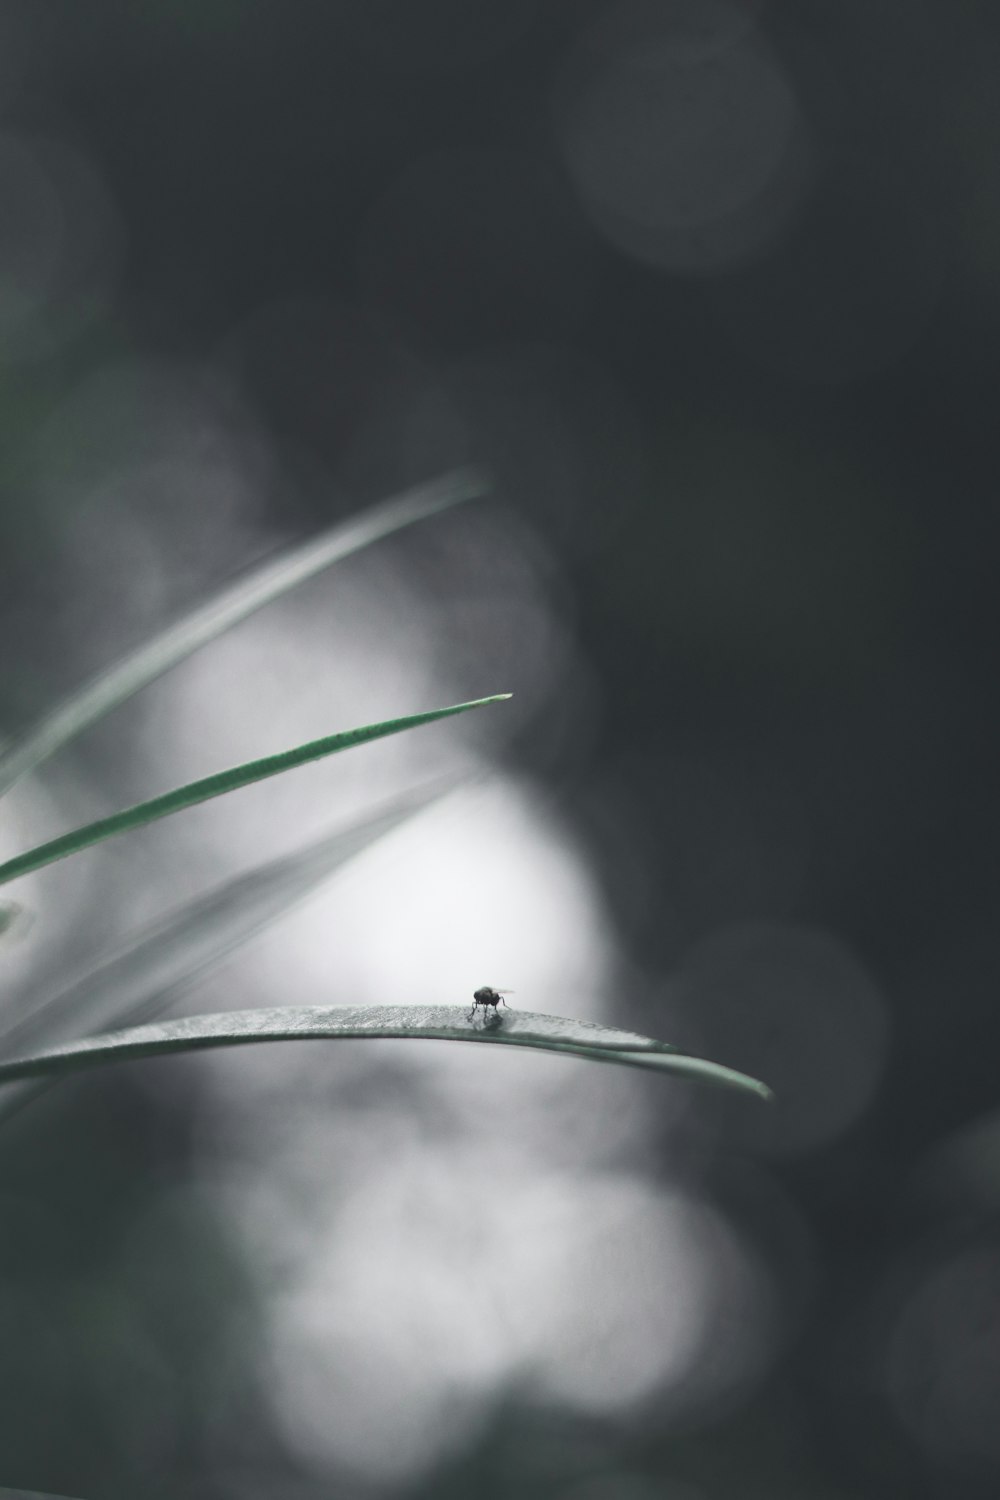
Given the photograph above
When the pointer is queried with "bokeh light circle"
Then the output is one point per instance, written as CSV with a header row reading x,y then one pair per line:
x,y
680,132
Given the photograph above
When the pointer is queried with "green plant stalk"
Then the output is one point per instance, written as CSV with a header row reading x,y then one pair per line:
x,y
559,1034
217,785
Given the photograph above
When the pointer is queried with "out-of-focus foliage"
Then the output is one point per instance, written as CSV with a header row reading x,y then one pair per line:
x,y
117,684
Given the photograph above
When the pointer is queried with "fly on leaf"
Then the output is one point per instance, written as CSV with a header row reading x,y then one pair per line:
x,y
486,997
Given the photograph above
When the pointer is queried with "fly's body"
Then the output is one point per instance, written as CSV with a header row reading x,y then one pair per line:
x,y
486,997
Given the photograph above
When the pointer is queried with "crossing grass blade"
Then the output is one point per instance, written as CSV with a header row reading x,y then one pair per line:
x,y
217,785
143,978
582,1039
116,684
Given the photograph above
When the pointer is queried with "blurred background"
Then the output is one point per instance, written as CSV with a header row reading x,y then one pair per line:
x,y
713,289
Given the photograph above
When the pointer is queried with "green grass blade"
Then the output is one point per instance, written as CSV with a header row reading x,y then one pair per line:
x,y
217,785
117,683
143,978
581,1039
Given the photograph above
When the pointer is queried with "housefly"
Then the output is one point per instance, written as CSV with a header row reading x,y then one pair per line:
x,y
487,997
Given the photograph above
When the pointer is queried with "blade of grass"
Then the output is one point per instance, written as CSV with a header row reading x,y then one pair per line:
x,y
143,978
116,684
217,785
581,1039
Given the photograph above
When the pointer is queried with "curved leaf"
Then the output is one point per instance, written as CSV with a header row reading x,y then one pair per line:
x,y
437,1022
222,782
115,684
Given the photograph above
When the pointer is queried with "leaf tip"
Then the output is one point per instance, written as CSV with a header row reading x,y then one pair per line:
x,y
482,702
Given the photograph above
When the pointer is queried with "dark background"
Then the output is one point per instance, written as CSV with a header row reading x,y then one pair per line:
x,y
774,532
